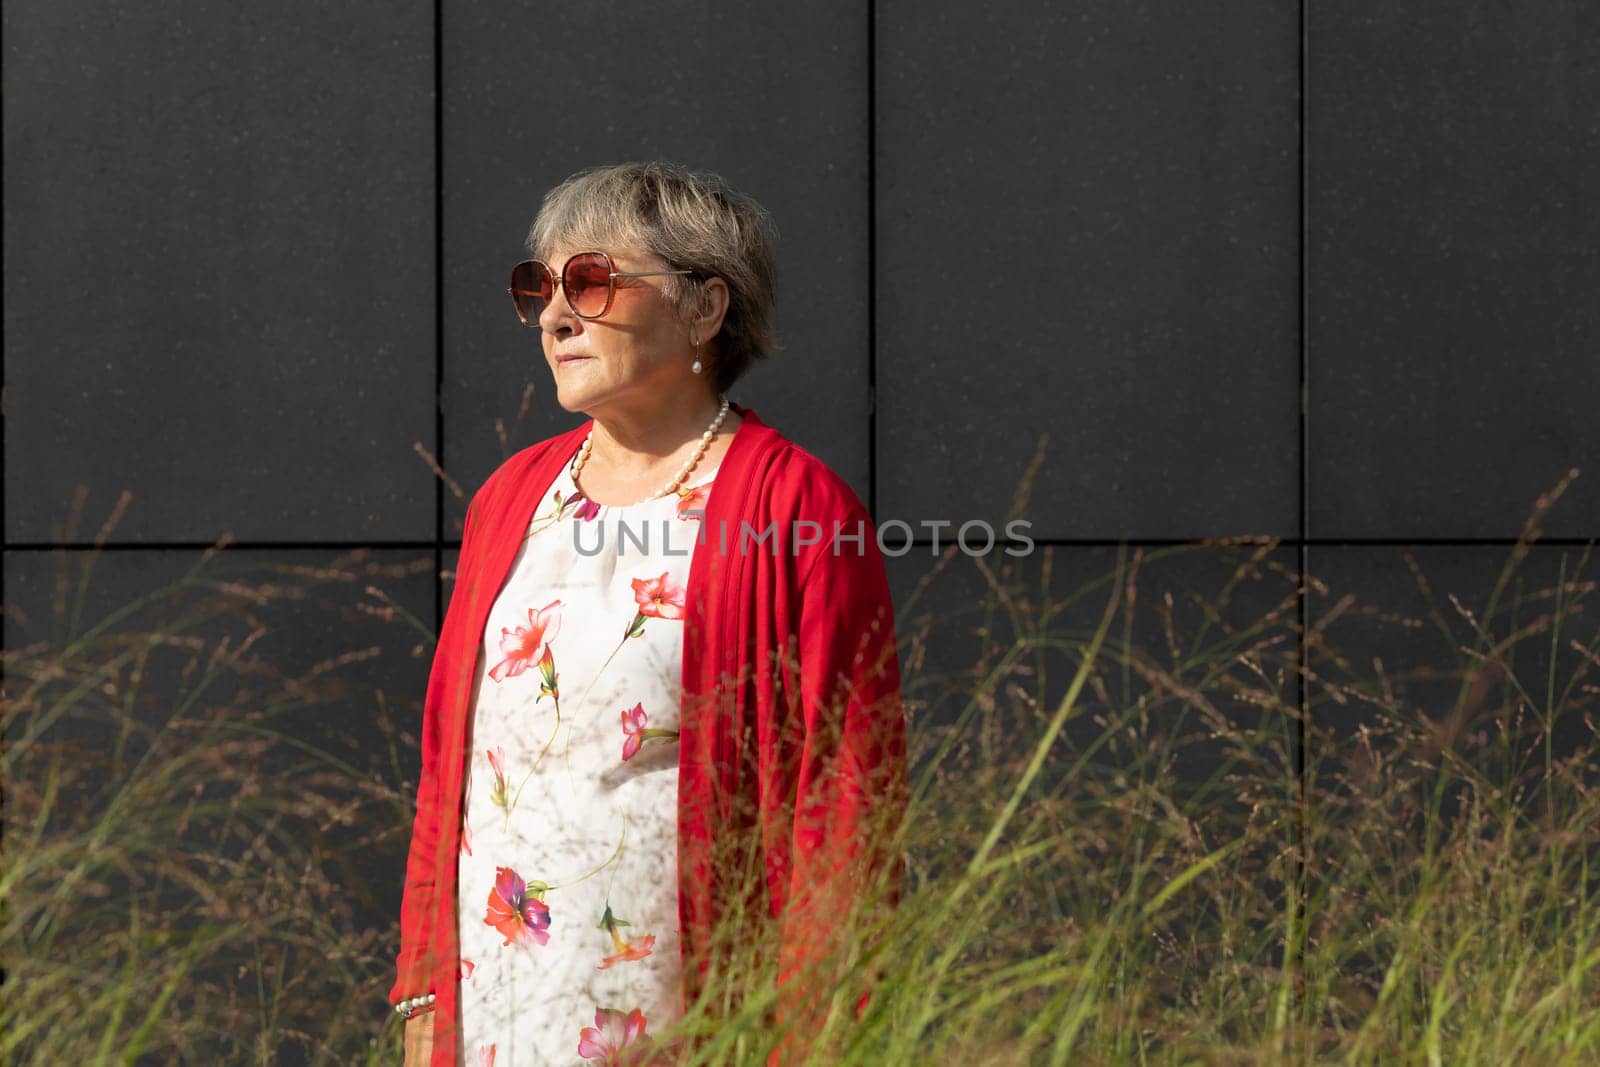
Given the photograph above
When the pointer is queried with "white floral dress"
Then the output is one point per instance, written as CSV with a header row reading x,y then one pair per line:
x,y
568,895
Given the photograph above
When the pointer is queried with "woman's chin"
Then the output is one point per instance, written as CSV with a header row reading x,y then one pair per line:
x,y
573,400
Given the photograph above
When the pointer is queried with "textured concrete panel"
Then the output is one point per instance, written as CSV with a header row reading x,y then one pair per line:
x,y
1455,645
771,96
279,694
1187,718
312,605
1454,262
1087,227
999,640
219,268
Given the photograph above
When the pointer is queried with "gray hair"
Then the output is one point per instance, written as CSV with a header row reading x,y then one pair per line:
x,y
691,220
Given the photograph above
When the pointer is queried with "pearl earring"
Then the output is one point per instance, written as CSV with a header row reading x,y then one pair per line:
x,y
695,366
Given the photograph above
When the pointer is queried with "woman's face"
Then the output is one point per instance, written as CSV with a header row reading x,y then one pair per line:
x,y
633,358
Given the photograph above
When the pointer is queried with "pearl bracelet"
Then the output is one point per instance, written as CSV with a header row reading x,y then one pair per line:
x,y
412,1006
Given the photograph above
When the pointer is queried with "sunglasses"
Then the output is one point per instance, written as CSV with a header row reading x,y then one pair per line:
x,y
589,279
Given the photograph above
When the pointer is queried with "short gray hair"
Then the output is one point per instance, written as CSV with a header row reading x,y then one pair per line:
x,y
693,221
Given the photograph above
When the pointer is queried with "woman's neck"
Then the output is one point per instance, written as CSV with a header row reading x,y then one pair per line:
x,y
638,450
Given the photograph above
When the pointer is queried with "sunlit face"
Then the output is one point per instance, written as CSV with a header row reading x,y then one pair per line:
x,y
636,352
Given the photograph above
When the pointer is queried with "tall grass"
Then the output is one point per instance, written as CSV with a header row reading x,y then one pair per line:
x,y
187,849
1125,842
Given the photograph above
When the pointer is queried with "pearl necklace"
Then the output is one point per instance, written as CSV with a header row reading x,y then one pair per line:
x,y
683,472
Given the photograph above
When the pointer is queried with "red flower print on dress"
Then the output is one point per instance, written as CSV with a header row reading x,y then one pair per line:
x,y
523,645
632,729
577,504
467,967
659,598
691,500
548,686
498,794
626,950
636,733
547,676
611,1033
486,1056
521,916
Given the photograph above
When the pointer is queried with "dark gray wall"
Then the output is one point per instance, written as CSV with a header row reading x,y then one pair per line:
x,y
249,257
1329,276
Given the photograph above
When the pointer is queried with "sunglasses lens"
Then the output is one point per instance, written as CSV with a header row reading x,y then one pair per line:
x,y
587,280
530,289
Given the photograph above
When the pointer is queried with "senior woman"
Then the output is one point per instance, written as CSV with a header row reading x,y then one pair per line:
x,y
662,737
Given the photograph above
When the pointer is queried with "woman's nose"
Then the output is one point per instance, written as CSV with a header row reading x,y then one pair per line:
x,y
557,313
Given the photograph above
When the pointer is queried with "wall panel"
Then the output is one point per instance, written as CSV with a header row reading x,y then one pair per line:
x,y
1454,251
1087,227
219,268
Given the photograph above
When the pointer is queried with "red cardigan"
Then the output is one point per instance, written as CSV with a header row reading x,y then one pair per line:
x,y
794,762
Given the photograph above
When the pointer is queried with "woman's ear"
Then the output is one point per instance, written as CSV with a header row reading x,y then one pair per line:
x,y
714,295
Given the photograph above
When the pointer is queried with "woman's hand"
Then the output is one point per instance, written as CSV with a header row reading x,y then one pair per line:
x,y
419,1040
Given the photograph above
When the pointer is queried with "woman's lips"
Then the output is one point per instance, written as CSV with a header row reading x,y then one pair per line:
x,y
562,361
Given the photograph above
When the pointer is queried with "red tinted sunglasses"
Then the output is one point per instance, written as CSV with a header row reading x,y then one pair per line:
x,y
589,278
